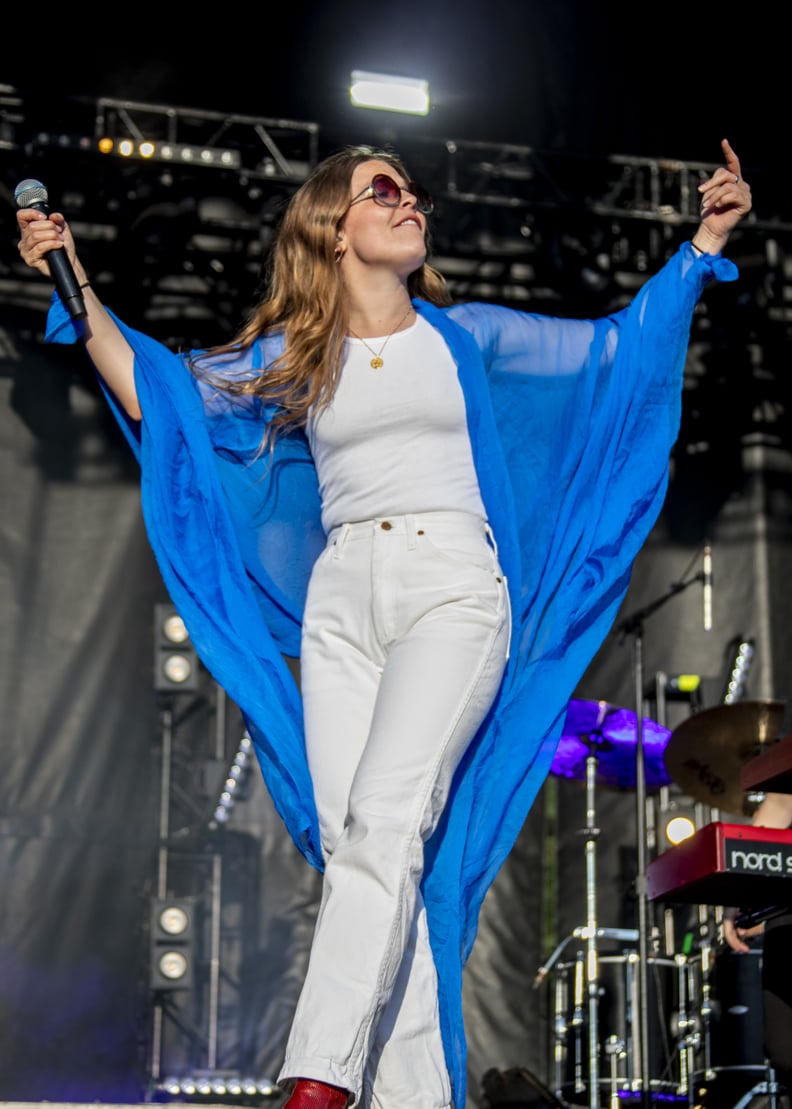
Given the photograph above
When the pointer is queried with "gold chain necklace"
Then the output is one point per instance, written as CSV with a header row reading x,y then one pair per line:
x,y
376,362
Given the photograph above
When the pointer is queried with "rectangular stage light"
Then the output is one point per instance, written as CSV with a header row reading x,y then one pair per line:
x,y
388,93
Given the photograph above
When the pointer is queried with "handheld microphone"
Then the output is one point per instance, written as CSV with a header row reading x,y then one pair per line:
x,y
32,194
706,577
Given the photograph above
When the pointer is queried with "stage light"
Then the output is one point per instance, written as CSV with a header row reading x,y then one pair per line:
x,y
197,155
228,1086
679,828
174,628
176,666
187,153
233,788
172,965
173,920
738,675
177,669
172,934
388,93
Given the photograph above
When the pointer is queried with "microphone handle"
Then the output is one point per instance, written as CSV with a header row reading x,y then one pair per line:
x,y
64,277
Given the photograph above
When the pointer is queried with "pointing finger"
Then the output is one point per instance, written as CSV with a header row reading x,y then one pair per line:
x,y
732,161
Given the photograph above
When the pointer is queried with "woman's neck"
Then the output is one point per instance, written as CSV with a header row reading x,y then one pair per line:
x,y
379,310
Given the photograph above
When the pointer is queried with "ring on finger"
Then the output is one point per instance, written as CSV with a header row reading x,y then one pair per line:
x,y
736,180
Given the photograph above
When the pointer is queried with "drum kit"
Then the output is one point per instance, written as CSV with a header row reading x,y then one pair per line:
x,y
686,1025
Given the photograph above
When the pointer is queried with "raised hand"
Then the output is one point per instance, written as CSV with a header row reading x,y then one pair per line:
x,y
39,234
725,200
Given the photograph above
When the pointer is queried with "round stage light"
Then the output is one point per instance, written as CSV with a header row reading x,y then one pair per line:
x,y
174,630
678,829
172,965
173,920
177,669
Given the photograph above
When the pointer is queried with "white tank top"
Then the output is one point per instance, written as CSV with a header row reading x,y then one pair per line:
x,y
395,440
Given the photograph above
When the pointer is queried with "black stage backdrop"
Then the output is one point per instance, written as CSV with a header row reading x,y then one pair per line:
x,y
82,730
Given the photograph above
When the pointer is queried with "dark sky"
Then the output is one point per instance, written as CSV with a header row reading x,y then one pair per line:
x,y
668,80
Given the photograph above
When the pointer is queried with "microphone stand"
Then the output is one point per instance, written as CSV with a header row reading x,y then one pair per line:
x,y
633,625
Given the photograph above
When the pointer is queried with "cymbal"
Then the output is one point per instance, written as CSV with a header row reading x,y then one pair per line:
x,y
610,733
706,753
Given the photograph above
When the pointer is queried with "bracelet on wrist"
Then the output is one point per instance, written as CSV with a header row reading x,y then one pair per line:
x,y
85,285
697,248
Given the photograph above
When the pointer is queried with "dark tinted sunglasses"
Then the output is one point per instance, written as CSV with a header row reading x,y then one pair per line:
x,y
384,190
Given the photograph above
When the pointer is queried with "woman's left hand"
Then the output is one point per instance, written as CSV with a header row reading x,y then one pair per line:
x,y
725,199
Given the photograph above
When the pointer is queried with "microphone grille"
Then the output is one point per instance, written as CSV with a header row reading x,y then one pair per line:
x,y
30,192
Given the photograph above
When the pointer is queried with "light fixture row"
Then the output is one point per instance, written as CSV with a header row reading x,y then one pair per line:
x,y
738,675
182,153
378,91
235,781
218,1085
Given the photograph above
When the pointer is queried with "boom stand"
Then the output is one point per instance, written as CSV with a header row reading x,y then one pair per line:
x,y
633,625
592,958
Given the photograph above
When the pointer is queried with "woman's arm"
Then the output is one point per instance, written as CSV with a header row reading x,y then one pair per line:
x,y
521,342
108,349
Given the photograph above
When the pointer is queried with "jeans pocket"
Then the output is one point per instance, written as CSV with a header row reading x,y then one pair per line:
x,y
462,548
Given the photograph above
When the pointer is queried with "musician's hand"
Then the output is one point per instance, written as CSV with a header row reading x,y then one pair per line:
x,y
736,937
725,200
39,234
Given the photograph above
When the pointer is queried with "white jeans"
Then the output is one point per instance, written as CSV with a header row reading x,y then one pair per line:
x,y
405,639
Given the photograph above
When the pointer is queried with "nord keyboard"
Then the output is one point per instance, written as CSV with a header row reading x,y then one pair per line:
x,y
725,864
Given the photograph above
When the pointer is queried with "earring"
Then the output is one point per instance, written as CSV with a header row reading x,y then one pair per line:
x,y
338,253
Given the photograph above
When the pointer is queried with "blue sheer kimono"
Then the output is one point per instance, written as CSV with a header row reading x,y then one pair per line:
x,y
571,423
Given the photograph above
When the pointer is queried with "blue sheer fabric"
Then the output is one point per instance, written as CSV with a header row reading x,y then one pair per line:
x,y
571,422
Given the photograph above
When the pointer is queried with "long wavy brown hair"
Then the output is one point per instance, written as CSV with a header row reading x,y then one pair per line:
x,y
305,298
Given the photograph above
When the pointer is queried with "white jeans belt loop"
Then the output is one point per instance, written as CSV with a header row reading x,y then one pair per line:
x,y
340,540
412,532
491,537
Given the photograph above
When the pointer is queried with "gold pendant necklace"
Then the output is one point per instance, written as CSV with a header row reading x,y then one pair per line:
x,y
376,362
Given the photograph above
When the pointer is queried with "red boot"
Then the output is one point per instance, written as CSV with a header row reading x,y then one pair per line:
x,y
308,1094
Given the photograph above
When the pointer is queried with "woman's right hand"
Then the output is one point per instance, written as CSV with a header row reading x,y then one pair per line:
x,y
39,234
111,354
